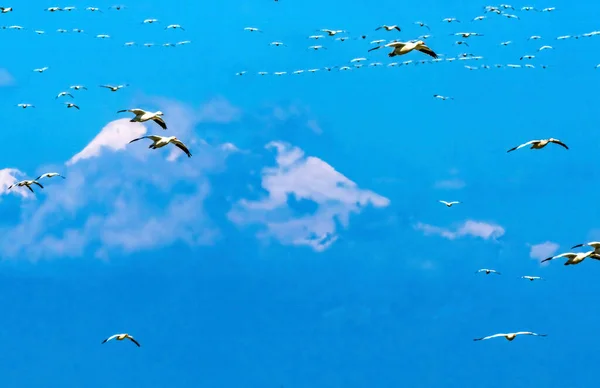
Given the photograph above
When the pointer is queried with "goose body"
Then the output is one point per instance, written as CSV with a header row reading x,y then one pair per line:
x,y
113,88
26,183
449,204
574,258
161,141
143,116
539,144
121,337
402,48
488,271
532,278
388,28
510,336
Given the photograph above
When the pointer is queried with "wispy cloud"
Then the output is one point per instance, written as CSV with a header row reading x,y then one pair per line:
x,y
304,178
471,228
543,250
9,176
113,137
450,184
6,79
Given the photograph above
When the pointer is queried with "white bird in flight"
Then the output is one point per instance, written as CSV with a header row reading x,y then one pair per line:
x,y
545,48
443,98
121,337
318,47
252,29
401,48
102,36
78,87
71,105
388,28
143,116
161,141
53,9
488,271
421,24
174,27
332,32
574,258
49,175
5,9
510,336
113,88
26,183
531,278
93,9
25,106
62,94
41,70
450,20
449,204
539,144
150,21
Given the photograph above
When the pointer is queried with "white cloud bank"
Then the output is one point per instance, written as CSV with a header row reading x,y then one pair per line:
x,y
120,198
305,178
543,250
471,228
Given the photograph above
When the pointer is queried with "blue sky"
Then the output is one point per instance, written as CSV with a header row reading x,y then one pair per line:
x,y
303,244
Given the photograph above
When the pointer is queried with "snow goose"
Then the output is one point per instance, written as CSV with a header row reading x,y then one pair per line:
x,y
25,106
78,30
539,144
174,27
252,29
117,7
450,20
507,6
329,68
318,47
388,28
531,278
68,9
78,87
53,9
49,175
240,73
449,204
61,31
505,43
143,116
545,48
316,37
510,336
401,48
263,73
510,16
527,57
574,258
150,21
345,68
102,36
528,8
276,44
534,37
459,42
5,9
41,70
563,37
479,18
121,337
332,32
26,183
488,271
593,244
93,9
280,73
377,41
467,34
443,98
342,38
129,44
14,28
549,9
114,88
183,42
161,141
421,24
71,105
62,94
39,32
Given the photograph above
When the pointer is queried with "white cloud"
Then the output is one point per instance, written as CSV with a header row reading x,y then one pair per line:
x,y
8,176
543,250
305,178
450,184
114,137
6,79
121,202
471,228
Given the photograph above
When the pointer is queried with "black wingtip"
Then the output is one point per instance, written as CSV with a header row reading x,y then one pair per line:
x,y
577,246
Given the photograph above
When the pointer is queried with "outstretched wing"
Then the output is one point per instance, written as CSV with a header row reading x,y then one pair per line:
x,y
109,338
140,138
134,341
490,336
182,147
530,333
374,48
37,183
556,141
522,145
426,50
160,121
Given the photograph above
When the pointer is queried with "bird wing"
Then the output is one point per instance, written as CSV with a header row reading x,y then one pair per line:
x,y
397,28
75,106
182,147
379,28
529,333
556,141
490,336
42,176
107,86
523,145
29,187
594,256
134,341
374,48
426,50
445,203
454,203
140,138
111,337
37,183
160,121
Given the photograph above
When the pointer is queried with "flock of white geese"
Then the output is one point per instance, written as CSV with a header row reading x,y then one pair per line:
x,y
396,48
